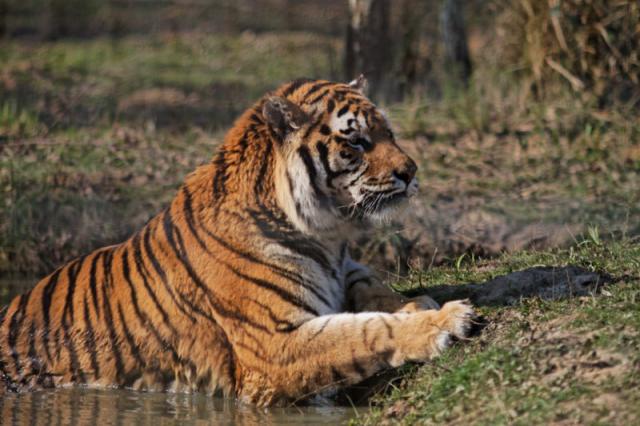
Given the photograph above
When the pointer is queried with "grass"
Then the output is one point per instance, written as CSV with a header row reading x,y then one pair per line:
x,y
564,147
575,360
72,193
173,81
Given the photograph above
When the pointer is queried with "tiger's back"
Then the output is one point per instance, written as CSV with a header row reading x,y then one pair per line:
x,y
244,284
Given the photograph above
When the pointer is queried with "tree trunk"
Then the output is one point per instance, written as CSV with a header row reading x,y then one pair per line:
x,y
412,21
368,49
4,18
58,19
454,37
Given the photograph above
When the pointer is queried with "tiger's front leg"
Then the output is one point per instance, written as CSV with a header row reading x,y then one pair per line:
x,y
365,293
338,350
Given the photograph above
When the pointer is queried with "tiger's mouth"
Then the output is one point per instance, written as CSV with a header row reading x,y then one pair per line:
x,y
376,202
379,203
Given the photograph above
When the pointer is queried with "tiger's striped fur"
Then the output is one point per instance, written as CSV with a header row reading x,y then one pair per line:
x,y
244,284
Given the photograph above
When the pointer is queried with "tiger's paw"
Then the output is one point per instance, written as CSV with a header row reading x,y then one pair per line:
x,y
430,332
458,317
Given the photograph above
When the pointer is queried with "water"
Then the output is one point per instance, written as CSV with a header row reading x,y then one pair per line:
x,y
77,406
80,406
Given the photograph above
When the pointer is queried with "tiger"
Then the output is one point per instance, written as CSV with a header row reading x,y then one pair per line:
x,y
244,286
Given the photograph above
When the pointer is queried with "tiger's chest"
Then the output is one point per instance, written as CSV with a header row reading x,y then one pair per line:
x,y
330,287
320,277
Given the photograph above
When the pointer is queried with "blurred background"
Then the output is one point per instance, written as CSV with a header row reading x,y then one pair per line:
x,y
523,115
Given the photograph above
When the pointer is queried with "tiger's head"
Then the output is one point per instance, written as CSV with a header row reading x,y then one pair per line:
x,y
337,156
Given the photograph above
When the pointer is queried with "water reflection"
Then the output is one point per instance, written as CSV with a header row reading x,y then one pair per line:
x,y
81,406
78,406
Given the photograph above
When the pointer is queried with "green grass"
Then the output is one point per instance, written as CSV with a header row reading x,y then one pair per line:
x,y
574,360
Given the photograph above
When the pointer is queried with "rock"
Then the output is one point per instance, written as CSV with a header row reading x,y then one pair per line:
x,y
543,282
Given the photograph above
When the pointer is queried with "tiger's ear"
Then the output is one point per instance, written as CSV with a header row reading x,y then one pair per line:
x,y
360,84
283,116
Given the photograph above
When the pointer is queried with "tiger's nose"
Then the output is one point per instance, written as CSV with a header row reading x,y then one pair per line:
x,y
407,172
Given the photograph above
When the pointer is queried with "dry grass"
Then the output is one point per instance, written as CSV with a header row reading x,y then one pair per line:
x,y
590,45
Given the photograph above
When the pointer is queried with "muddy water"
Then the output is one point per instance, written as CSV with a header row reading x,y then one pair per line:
x,y
80,406
122,407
